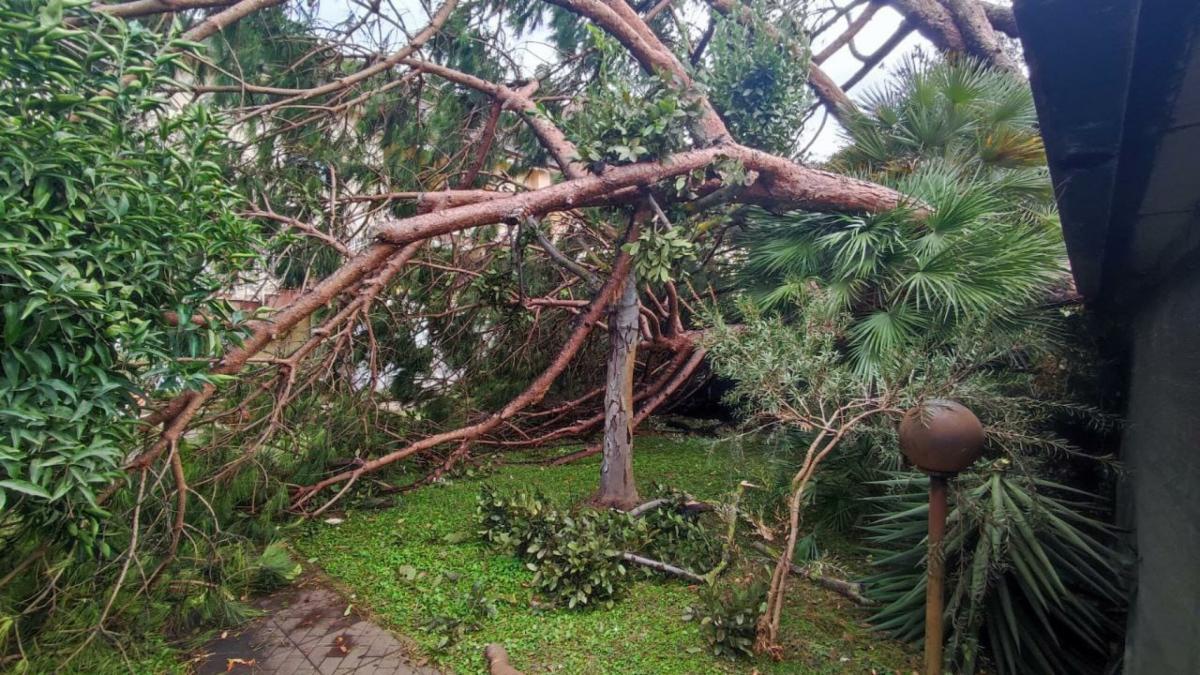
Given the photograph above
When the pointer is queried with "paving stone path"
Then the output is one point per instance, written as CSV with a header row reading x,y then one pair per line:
x,y
307,630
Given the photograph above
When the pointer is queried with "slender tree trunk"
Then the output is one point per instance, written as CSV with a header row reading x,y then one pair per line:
x,y
617,488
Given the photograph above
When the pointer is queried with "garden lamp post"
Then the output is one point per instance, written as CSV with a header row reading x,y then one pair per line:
x,y
940,438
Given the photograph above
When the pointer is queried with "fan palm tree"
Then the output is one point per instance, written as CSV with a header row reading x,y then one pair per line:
x,y
981,238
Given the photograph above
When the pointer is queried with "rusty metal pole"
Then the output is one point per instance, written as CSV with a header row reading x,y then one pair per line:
x,y
936,575
942,438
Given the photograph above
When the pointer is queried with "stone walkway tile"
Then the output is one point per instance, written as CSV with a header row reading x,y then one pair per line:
x,y
307,631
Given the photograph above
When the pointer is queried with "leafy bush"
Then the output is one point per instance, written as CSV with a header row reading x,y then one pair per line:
x,y
116,229
728,616
580,563
627,121
757,82
515,522
674,532
1030,574
576,558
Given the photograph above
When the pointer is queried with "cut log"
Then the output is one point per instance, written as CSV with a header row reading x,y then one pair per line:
x,y
497,660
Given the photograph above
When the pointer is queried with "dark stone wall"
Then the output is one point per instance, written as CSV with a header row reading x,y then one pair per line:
x,y
1161,452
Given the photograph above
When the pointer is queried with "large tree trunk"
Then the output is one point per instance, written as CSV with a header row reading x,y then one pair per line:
x,y
617,488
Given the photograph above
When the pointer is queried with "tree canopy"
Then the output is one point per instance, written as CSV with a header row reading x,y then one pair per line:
x,y
262,257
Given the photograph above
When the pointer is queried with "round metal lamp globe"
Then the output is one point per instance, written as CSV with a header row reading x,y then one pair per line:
x,y
941,436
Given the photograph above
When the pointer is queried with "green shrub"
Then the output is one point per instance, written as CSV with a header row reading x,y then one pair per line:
x,y
515,522
580,563
674,532
757,82
728,616
576,558
117,226
627,121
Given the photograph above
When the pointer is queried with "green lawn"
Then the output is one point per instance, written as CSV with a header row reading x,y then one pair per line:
x,y
375,554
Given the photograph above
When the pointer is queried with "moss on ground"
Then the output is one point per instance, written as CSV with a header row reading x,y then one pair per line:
x,y
401,566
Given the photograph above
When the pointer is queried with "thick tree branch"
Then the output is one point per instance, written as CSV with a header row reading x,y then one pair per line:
x,y
978,34
225,18
934,22
138,8
1002,19
962,26
620,21
781,183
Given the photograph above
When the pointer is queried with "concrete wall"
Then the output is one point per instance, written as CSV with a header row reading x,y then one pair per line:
x,y
1161,451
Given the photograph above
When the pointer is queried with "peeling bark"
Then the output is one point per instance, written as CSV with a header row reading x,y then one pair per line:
x,y
617,486
1002,19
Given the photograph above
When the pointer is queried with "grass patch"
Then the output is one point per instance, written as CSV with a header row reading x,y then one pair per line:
x,y
401,567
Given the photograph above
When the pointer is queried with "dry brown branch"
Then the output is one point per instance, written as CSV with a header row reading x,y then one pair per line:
x,y
304,228
872,60
848,589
